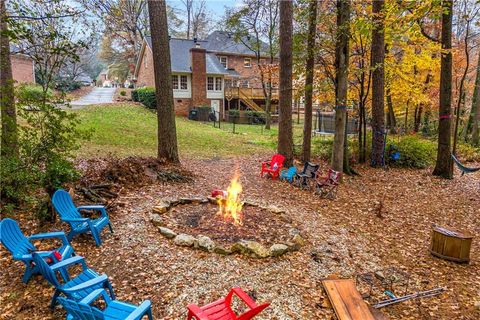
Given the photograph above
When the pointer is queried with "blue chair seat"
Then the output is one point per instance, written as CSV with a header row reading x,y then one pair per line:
x,y
21,247
70,214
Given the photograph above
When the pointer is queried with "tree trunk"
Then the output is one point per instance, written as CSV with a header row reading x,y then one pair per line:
x,y
392,121
443,166
9,140
285,136
309,67
472,126
476,123
167,136
341,82
378,84
418,118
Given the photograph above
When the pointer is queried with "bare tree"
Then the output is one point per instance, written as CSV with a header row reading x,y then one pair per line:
x,y
285,137
341,87
167,136
378,83
9,140
309,70
443,166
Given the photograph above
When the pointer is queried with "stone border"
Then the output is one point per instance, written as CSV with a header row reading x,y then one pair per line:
x,y
245,247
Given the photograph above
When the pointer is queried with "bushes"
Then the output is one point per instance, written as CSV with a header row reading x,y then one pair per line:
x,y
255,117
123,93
146,96
67,85
415,152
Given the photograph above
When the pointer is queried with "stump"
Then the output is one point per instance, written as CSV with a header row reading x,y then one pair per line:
x,y
451,244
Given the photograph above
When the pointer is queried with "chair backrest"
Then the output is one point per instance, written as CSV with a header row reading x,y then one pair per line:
x,y
334,176
291,171
80,311
63,203
278,159
13,239
45,270
310,169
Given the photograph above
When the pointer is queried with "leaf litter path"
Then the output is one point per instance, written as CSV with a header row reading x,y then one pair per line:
x,y
344,237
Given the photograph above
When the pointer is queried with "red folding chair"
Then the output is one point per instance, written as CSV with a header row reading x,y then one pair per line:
x,y
326,187
222,309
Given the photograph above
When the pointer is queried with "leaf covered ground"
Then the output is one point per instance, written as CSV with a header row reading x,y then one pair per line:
x,y
380,219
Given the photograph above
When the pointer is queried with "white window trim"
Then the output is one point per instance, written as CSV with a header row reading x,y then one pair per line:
x,y
215,84
178,76
249,62
226,60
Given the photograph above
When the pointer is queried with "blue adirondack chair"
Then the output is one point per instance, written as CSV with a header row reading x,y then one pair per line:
x,y
65,207
75,288
21,247
114,309
288,175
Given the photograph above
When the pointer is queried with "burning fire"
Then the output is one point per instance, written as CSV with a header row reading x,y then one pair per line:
x,y
231,206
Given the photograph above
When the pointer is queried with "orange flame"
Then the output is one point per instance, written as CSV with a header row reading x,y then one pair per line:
x,y
231,207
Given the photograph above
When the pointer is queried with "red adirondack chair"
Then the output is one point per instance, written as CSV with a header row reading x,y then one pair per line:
x,y
222,310
326,187
273,166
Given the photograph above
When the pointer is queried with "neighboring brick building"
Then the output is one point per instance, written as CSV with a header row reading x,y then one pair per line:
x,y
23,68
202,70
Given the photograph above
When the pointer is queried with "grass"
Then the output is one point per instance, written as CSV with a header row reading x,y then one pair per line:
x,y
126,130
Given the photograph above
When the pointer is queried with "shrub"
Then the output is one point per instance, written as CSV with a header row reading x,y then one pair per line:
x,y
67,85
468,152
134,95
123,93
255,117
415,152
147,97
31,94
234,113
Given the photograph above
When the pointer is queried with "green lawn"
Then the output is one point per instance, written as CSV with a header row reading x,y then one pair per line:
x,y
126,130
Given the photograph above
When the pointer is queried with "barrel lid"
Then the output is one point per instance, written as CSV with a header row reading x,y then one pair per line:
x,y
452,232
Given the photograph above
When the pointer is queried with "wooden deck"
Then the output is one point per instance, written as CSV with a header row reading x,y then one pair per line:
x,y
250,93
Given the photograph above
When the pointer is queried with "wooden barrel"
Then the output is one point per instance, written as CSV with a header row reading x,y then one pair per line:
x,y
451,245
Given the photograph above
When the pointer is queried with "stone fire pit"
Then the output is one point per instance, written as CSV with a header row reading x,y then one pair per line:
x,y
266,231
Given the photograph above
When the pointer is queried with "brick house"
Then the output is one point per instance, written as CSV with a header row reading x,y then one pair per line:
x,y
216,72
23,67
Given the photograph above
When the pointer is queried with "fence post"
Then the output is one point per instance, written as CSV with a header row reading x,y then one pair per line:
x,y
234,121
219,119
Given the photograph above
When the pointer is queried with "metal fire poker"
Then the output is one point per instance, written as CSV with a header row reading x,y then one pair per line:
x,y
417,295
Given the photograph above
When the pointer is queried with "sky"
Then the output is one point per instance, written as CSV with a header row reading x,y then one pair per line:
x,y
216,7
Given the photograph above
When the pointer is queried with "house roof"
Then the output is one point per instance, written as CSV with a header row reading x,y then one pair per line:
x,y
224,42
180,56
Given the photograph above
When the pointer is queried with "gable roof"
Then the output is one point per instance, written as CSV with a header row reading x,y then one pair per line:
x,y
180,56
224,42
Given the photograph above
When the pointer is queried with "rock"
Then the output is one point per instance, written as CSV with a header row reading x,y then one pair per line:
x,y
161,207
184,240
156,219
205,243
198,200
239,247
292,246
293,232
477,305
256,250
249,204
275,209
185,200
297,239
222,250
167,233
278,249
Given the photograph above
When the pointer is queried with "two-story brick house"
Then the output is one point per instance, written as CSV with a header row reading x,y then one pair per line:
x,y
23,67
216,72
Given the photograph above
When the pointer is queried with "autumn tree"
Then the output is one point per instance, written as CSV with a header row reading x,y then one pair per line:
x,y
443,166
341,80
9,140
167,136
474,119
309,71
378,83
285,137
197,24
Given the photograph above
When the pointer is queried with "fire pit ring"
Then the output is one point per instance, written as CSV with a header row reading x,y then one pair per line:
x,y
183,222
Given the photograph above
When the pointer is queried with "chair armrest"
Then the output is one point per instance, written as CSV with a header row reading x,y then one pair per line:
x,y
49,235
197,312
75,219
91,207
94,295
90,283
139,311
245,297
68,262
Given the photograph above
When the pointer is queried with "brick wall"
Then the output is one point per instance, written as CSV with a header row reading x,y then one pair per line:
x,y
182,106
199,76
146,76
252,74
22,69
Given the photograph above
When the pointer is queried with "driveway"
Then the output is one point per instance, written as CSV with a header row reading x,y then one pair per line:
x,y
96,96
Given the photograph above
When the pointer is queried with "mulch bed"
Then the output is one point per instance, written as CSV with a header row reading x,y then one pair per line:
x,y
258,224
379,219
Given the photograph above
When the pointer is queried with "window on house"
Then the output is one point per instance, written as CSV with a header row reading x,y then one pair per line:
x,y
210,83
175,82
183,83
218,84
223,61
247,62
244,84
